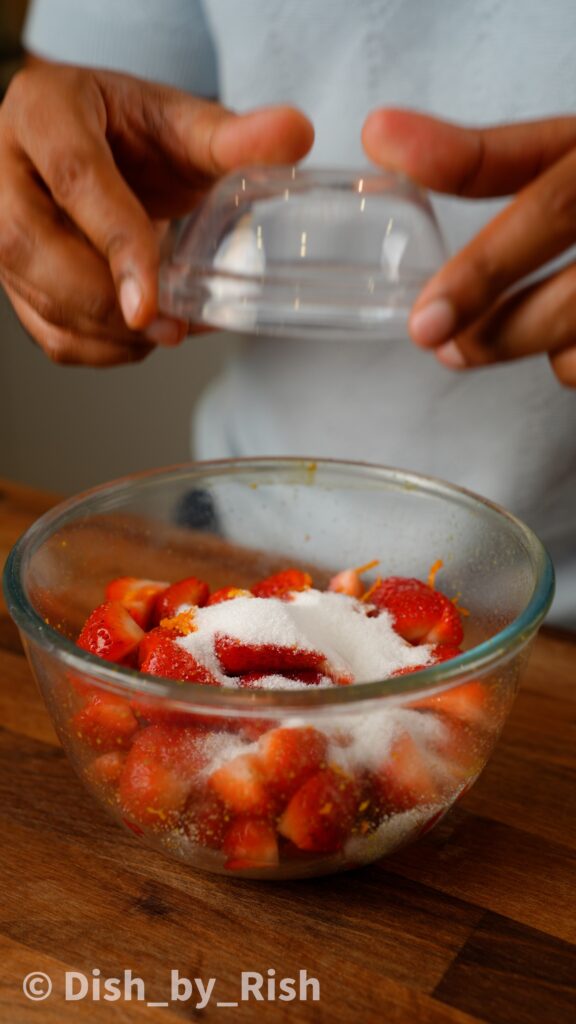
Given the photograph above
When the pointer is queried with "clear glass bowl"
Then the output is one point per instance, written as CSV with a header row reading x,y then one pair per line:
x,y
304,253
234,522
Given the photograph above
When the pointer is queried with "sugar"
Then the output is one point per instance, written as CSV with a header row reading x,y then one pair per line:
x,y
362,646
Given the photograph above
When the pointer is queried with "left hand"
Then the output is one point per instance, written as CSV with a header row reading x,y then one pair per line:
x,y
466,312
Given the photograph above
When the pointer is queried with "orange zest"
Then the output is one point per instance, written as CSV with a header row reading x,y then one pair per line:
x,y
368,594
434,570
183,623
369,565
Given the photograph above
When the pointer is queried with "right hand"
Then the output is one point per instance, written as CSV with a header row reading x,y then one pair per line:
x,y
93,164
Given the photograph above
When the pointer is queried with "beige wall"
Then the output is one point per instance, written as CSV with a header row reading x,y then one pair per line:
x,y
65,428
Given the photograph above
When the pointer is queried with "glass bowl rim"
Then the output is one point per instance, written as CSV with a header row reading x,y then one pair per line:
x,y
480,659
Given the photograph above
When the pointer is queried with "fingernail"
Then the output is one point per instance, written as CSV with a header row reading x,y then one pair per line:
x,y
451,356
130,299
164,331
434,323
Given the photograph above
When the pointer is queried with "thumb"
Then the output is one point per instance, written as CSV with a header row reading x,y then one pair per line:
x,y
472,162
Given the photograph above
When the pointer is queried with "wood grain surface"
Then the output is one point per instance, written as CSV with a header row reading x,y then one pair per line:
x,y
476,922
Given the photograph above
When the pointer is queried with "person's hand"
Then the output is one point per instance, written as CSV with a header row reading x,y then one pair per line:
x,y
92,165
467,313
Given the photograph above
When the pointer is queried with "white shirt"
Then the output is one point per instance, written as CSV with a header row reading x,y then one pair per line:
x,y
509,431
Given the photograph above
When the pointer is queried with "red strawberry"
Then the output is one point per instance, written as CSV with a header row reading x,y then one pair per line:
x,y
190,591
206,820
137,596
240,785
321,813
107,769
257,680
419,614
468,703
160,772
282,584
405,779
167,659
250,843
227,594
440,652
289,757
106,722
237,658
111,633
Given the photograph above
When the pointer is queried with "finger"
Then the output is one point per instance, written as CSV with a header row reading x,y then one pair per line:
x,y
53,267
538,319
472,162
77,166
70,349
537,226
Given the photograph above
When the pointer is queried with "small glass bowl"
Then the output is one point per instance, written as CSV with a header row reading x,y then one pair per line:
x,y
304,253
417,741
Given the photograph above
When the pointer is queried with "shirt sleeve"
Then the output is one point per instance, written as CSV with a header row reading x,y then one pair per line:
x,y
162,40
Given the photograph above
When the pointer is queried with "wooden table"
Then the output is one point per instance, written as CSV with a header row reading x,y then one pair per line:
x,y
477,922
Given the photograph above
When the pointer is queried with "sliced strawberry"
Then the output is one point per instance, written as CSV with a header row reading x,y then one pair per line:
x,y
439,652
419,614
405,779
250,843
282,584
137,596
160,772
469,703
177,596
106,722
155,638
347,582
168,659
240,785
237,658
289,757
227,594
206,820
257,680
111,633
107,769
321,813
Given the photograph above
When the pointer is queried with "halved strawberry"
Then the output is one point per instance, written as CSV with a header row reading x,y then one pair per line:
x,y
419,614
137,596
469,703
106,722
206,820
250,843
160,772
257,680
289,757
238,658
169,660
107,769
190,591
439,652
227,594
321,813
282,584
347,582
405,778
111,633
240,785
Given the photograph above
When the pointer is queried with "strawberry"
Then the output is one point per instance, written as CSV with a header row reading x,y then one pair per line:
x,y
257,680
237,658
167,659
177,596
227,594
106,722
137,596
107,769
160,772
439,652
250,843
347,582
321,813
111,633
468,703
206,820
282,584
240,785
405,779
289,757
419,614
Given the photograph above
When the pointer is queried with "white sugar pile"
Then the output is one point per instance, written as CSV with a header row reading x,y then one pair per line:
x,y
337,626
